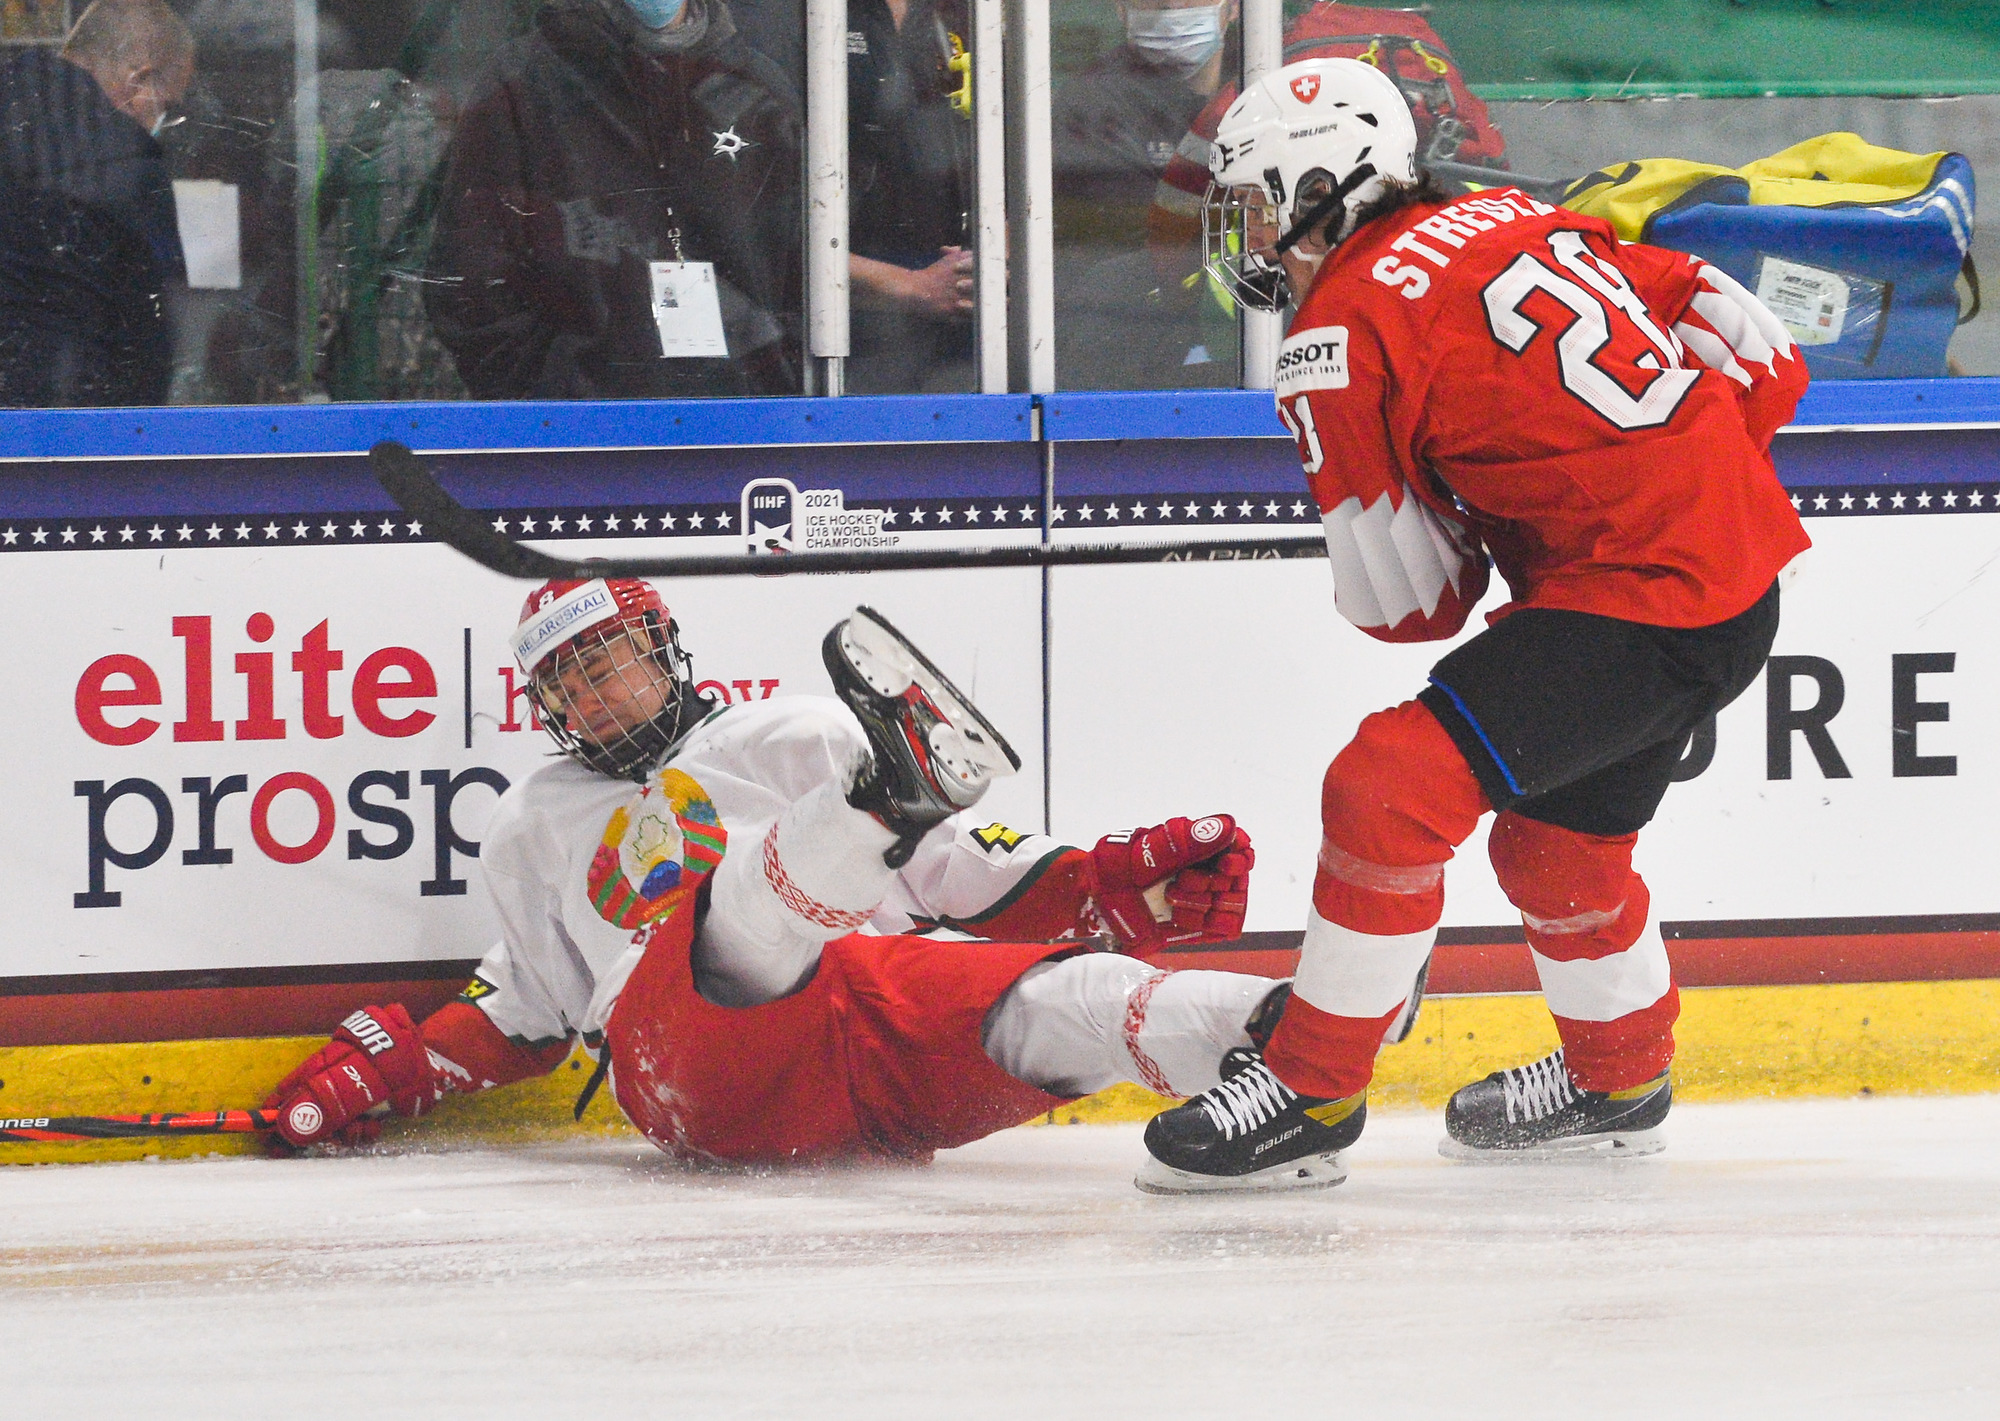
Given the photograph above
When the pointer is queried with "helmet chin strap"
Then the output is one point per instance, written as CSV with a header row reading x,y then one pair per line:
x,y
1324,208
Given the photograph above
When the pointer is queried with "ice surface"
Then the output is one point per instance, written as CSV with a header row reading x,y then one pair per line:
x,y
1812,1259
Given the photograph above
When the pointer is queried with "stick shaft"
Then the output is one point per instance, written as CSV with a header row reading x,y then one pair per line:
x,y
419,494
35,1129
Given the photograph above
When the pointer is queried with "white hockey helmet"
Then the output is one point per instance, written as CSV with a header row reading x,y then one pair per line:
x,y
1310,142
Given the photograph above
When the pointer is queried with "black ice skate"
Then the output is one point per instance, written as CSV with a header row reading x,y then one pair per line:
x,y
1251,1132
1536,1112
934,753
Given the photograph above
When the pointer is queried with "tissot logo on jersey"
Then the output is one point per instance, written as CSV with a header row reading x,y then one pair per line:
x,y
1313,360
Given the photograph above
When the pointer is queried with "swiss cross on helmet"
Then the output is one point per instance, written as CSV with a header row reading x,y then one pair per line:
x,y
606,674
1304,147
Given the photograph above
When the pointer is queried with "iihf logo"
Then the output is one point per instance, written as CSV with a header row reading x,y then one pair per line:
x,y
769,512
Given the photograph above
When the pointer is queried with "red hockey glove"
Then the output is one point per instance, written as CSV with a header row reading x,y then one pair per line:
x,y
1178,882
376,1064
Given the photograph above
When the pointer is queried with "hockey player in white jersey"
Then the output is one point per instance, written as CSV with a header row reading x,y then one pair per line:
x,y
772,927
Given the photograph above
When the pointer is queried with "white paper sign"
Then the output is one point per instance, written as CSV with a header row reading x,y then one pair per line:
x,y
687,310
206,212
1811,301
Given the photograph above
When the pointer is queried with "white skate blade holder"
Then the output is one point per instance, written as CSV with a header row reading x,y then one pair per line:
x,y
1311,1172
964,742
1580,1149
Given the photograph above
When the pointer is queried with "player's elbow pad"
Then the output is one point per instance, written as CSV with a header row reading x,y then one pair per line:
x,y
1400,571
1730,330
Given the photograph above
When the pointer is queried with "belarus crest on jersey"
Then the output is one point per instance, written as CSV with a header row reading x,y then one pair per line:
x,y
655,851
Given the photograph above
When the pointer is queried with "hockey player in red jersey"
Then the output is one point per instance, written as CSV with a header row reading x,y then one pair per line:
x,y
725,905
1474,382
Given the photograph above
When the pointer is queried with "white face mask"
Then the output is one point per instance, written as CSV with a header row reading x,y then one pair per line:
x,y
1181,40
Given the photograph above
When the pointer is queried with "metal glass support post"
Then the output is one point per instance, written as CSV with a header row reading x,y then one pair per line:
x,y
828,329
1031,233
1263,51
305,195
989,213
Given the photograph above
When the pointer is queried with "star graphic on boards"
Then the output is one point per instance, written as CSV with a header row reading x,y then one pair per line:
x,y
1896,501
729,144
1874,500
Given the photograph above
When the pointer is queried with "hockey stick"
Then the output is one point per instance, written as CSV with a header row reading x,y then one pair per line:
x,y
40,1129
459,528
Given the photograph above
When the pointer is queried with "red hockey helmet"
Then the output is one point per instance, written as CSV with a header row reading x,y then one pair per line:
x,y
606,673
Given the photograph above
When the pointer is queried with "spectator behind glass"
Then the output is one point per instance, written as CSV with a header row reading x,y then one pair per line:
x,y
88,241
910,185
910,171
1116,125
620,212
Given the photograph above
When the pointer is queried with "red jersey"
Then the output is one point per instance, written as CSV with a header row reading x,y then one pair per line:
x,y
1495,374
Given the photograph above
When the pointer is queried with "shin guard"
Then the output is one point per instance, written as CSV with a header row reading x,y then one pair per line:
x,y
1602,964
1395,804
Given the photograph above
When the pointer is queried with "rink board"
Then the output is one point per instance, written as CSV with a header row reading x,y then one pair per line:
x,y
316,847
1916,1038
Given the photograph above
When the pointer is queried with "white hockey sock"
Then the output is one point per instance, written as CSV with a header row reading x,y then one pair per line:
x,y
1091,1021
1349,973
813,875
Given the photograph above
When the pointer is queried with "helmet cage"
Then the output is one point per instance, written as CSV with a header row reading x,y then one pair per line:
x,y
1232,220
618,695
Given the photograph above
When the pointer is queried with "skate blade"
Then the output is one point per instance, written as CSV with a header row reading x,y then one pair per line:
x,y
890,664
1622,1144
1312,1172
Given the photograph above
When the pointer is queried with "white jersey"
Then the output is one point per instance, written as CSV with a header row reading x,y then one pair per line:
x,y
560,963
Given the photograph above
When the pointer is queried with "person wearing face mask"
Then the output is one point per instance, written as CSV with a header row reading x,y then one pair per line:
x,y
1117,123
89,247
620,212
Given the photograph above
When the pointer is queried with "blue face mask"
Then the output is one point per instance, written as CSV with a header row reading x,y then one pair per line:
x,y
657,14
